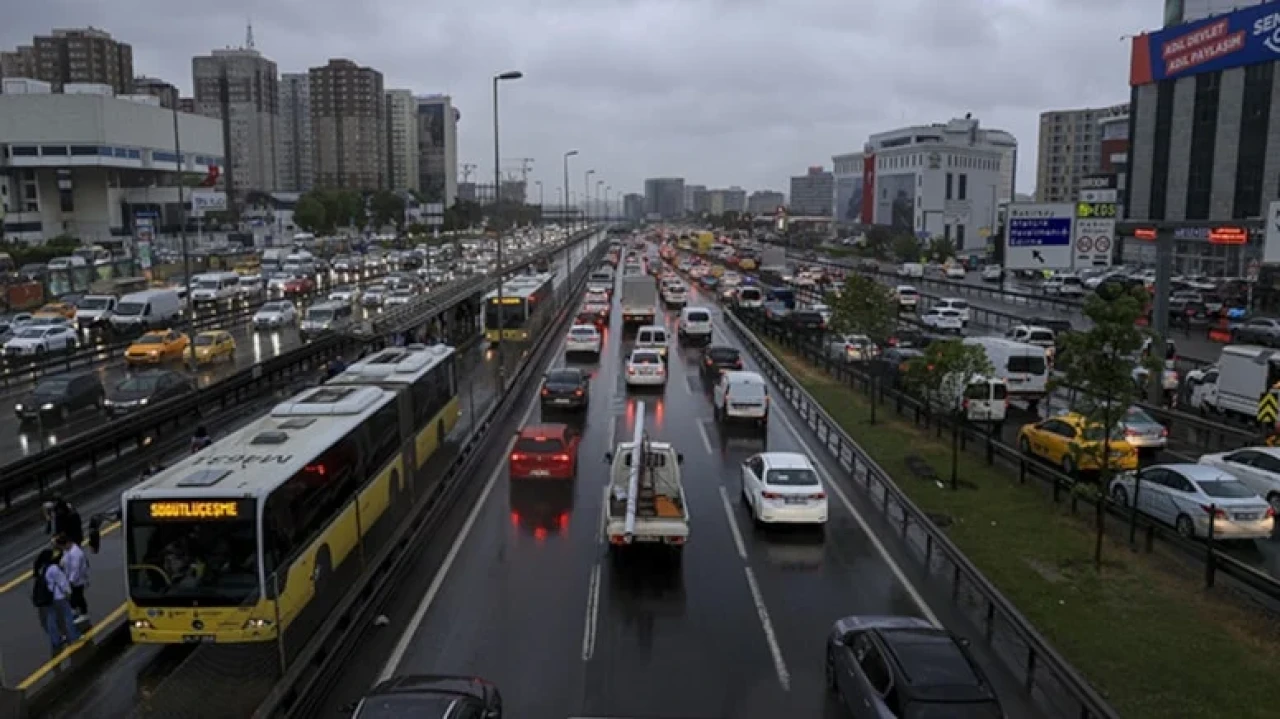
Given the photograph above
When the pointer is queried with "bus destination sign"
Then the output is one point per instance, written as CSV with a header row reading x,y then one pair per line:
x,y
181,510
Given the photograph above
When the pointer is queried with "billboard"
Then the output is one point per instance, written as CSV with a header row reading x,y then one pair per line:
x,y
849,190
430,125
896,202
1244,37
1038,236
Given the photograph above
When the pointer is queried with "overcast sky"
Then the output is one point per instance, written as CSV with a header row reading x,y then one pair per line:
x,y
720,92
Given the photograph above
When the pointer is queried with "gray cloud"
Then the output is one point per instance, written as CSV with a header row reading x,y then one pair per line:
x,y
744,92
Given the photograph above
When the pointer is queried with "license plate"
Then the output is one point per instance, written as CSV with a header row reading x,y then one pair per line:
x,y
561,401
796,500
646,540
198,638
540,473
1246,517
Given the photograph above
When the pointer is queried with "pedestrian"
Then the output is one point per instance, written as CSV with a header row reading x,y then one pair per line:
x,y
46,510
94,540
66,521
50,593
75,564
201,439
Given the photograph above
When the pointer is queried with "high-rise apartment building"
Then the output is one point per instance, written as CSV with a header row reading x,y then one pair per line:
x,y
348,126
813,193
664,197
438,149
695,198
82,55
633,206
1069,148
765,202
733,199
156,87
240,87
294,141
402,141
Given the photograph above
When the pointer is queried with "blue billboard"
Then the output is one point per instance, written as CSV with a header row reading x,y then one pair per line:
x,y
1039,231
1244,37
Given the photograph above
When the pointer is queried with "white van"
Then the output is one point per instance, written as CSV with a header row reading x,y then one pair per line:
x,y
985,400
741,395
750,297
215,287
323,316
652,337
694,325
149,309
911,270
1023,367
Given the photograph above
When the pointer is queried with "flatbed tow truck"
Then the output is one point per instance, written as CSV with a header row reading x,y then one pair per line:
x,y
646,500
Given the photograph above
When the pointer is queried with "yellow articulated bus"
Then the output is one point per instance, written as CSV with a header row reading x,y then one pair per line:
x,y
262,533
521,309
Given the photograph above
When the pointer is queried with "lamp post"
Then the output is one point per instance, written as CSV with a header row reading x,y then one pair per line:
x,y
497,200
586,197
539,184
607,189
186,252
567,155
599,185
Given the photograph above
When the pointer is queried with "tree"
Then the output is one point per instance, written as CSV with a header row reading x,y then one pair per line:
x,y
906,248
944,370
865,307
1097,364
311,214
941,249
388,209
879,241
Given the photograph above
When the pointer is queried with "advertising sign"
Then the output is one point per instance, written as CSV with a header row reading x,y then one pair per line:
x,y
1271,247
896,202
205,201
1246,37
1038,236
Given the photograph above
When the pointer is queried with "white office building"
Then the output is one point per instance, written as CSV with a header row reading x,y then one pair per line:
x,y
402,140
941,180
89,164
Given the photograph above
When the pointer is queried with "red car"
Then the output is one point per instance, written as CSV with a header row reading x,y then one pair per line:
x,y
299,285
545,451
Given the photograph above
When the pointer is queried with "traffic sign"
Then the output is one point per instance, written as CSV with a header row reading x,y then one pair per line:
x,y
1038,236
1252,270
1267,408
1084,244
1102,244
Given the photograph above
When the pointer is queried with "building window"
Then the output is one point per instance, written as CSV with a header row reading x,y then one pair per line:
x,y
946,232
963,192
1204,127
84,151
949,178
24,151
1160,155
1255,116
54,150
959,237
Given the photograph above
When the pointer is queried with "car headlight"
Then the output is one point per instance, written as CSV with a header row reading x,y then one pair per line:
x,y
46,406
154,353
18,407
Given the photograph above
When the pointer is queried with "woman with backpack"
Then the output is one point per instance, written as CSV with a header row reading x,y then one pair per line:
x,y
51,594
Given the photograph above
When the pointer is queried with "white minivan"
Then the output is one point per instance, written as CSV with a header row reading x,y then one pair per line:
x,y
652,337
149,309
215,287
741,395
694,325
1023,367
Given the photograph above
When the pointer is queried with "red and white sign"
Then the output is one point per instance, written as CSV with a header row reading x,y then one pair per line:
x,y
1101,244
1084,244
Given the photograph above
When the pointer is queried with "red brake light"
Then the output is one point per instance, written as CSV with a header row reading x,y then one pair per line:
x,y
577,393
771,495
1218,514
1164,431
819,495
518,457
545,391
560,458
1271,512
738,363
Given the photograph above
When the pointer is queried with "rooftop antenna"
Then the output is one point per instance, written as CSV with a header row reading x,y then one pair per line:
x,y
248,35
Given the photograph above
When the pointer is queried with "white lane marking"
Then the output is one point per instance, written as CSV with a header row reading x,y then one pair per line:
x,y
706,437
914,593
733,524
593,611
604,517
419,614
770,636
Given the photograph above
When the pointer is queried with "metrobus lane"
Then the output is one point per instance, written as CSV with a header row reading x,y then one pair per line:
x,y
23,644
857,565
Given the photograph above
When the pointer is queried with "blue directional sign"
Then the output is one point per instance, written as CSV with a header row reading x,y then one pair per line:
x,y
1038,236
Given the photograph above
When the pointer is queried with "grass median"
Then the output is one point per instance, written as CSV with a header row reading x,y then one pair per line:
x,y
1154,642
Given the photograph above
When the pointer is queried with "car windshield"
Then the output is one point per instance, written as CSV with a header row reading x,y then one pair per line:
x,y
209,284
1095,434
1137,416
273,307
645,358
586,333
723,354
151,340
320,315
184,552
564,378
94,303
1027,364
1226,489
791,477
127,309
206,340
30,333
405,705
139,383
51,387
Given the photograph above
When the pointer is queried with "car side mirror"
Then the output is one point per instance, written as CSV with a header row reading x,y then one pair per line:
x,y
608,457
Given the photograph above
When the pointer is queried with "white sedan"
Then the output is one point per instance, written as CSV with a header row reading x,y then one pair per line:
x,y
645,368
1190,496
585,339
783,488
39,340
1257,467
956,272
399,296
942,319
349,295
275,314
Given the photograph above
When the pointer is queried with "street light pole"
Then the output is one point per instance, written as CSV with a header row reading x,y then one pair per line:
x,y
497,200
599,184
567,155
607,189
186,252
586,197
540,220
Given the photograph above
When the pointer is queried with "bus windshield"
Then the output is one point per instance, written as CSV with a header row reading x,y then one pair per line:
x,y
191,552
513,315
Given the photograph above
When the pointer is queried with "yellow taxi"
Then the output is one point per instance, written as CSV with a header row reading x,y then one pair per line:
x,y
57,309
1071,442
157,346
717,271
215,345
747,263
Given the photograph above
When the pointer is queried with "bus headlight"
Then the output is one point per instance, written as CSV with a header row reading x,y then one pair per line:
x,y
256,623
143,624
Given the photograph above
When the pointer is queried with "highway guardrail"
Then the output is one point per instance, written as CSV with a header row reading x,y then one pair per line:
x,y
1063,488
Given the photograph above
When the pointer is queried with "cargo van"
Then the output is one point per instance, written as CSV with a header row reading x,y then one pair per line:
x,y
1023,367
323,316
215,287
149,309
